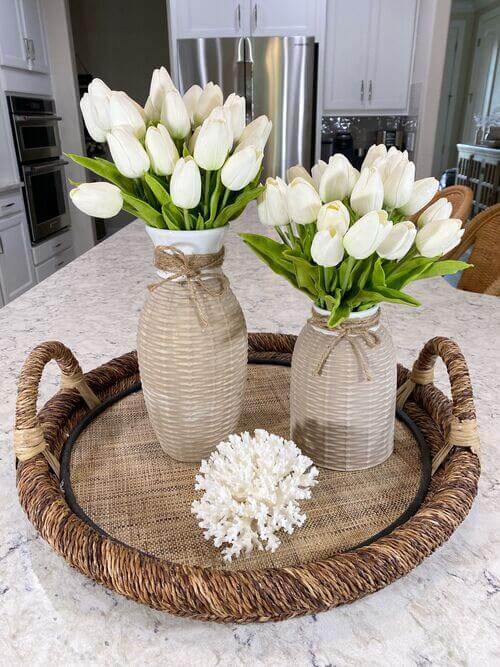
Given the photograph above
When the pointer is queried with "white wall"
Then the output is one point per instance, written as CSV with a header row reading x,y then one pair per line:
x,y
430,51
65,91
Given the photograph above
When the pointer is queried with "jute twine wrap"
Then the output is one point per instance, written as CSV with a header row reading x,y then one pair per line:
x,y
189,267
261,594
356,332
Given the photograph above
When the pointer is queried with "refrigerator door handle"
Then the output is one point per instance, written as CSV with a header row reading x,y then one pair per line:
x,y
248,78
240,51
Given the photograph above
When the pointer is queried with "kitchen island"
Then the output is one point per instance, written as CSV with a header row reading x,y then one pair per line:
x,y
445,612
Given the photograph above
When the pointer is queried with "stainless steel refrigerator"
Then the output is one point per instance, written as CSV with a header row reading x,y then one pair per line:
x,y
276,75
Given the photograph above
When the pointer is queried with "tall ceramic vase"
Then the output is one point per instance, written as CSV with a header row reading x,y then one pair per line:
x,y
191,345
343,391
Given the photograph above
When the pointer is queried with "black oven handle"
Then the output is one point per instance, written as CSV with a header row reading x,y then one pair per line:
x,y
46,166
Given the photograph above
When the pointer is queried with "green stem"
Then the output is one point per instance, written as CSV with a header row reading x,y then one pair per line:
x,y
206,195
187,222
283,236
225,198
325,279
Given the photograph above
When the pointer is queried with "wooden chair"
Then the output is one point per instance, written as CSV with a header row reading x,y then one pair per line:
x,y
483,234
460,197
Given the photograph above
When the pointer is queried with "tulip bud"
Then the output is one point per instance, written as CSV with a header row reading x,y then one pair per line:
x,y
99,200
161,84
303,201
398,241
127,152
298,171
272,205
193,139
237,114
241,168
213,143
398,184
423,191
365,236
125,112
438,237
210,98
174,115
374,152
368,193
101,95
440,210
224,114
317,172
255,133
334,183
333,216
95,128
327,248
185,184
191,98
161,150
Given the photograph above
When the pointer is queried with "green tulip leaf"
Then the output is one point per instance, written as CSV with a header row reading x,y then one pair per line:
x,y
339,315
308,275
105,169
378,274
444,268
235,209
172,216
379,293
214,199
145,211
157,189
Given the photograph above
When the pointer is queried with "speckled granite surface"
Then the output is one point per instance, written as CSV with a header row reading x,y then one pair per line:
x,y
446,612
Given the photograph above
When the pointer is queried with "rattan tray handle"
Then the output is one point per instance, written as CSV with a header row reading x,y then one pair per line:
x,y
463,431
29,438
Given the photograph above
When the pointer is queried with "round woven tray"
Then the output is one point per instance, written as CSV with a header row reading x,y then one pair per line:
x,y
121,514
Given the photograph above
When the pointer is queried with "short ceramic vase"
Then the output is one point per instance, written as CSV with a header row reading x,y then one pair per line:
x,y
192,349
343,392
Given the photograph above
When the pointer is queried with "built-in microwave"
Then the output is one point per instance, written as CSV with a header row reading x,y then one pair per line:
x,y
35,128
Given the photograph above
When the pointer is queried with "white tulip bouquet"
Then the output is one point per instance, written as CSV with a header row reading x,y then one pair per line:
x,y
346,240
179,163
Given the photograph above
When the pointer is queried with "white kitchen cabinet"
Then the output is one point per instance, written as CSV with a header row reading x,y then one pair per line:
x,y
22,39
53,264
271,18
16,267
199,18
368,57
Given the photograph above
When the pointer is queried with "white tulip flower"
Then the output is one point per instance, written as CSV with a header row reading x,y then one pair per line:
x,y
398,184
174,115
327,248
440,210
438,237
398,242
213,143
95,128
127,152
99,200
236,106
272,205
210,98
125,112
368,192
241,168
185,184
193,139
191,98
336,178
375,152
161,149
333,215
365,236
100,94
423,191
298,171
303,201
161,84
317,172
255,133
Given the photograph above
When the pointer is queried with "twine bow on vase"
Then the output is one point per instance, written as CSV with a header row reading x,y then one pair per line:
x,y
356,333
189,268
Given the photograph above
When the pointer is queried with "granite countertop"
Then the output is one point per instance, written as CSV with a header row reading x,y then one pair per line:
x,y
445,612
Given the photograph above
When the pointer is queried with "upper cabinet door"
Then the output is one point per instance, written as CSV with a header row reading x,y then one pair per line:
x,y
217,18
13,45
34,31
274,18
391,52
346,55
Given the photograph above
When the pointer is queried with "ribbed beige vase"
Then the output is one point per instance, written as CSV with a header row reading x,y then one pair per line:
x,y
343,394
192,352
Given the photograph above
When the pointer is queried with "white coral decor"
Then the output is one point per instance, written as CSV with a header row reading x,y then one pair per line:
x,y
252,486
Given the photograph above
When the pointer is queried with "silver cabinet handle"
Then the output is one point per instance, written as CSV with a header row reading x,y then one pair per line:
x,y
370,88
60,264
33,52
58,245
4,206
362,90
27,48
255,16
238,16
1,247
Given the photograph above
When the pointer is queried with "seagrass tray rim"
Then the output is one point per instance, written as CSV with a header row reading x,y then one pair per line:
x,y
247,596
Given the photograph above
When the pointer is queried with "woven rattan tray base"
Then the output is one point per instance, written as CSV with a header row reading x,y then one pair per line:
x,y
364,529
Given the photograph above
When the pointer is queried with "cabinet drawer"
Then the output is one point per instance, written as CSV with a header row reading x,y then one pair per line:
x,y
11,202
43,251
53,264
